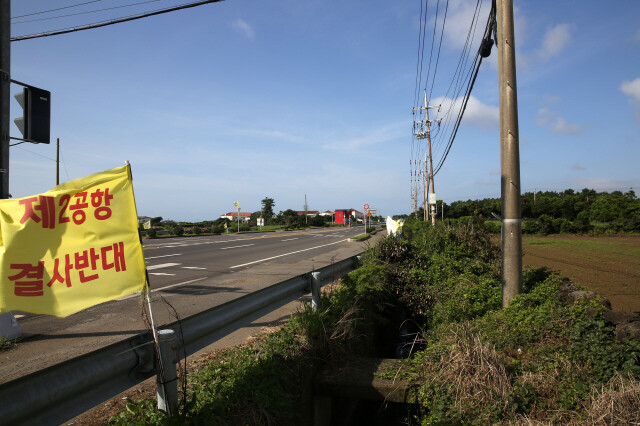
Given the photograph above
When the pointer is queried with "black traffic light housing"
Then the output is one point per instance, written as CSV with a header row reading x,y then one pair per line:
x,y
35,123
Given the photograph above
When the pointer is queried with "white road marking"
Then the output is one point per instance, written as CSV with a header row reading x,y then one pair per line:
x,y
153,290
193,267
18,316
166,255
286,254
289,239
245,245
162,265
161,273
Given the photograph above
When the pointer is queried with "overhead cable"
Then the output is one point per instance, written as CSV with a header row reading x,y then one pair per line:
x,y
54,10
113,21
85,13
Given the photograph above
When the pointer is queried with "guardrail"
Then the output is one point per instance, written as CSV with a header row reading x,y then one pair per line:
x,y
61,392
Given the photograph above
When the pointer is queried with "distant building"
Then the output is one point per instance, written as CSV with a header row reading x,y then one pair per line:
x,y
143,219
308,212
327,213
233,216
344,215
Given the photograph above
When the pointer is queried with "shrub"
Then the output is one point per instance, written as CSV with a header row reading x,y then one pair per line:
x,y
151,233
177,230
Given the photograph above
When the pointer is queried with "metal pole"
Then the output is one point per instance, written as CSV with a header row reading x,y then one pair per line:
x,y
58,161
167,377
315,290
509,155
238,219
5,87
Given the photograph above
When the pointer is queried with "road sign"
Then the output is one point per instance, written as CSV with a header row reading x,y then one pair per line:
x,y
369,214
374,211
366,206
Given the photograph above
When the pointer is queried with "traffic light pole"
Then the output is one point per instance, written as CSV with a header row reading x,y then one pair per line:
x,y
509,155
5,83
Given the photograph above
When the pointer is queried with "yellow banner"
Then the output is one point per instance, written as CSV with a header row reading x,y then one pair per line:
x,y
72,247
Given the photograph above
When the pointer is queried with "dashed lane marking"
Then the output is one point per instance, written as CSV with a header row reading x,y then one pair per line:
x,y
233,247
162,265
166,255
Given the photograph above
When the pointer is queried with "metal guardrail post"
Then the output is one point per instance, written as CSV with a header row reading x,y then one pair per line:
x,y
315,290
167,402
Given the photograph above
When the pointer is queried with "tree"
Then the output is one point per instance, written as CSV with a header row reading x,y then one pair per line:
x,y
267,209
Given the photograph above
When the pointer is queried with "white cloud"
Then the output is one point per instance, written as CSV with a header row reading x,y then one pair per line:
x,y
479,114
562,126
543,117
459,18
636,37
554,42
632,89
244,28
556,123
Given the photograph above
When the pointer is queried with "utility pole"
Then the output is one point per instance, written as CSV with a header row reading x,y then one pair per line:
x,y
305,209
422,134
509,155
5,87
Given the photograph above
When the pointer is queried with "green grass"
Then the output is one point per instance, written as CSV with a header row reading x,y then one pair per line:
x,y
538,359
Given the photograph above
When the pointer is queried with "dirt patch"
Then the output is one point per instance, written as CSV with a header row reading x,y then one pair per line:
x,y
606,265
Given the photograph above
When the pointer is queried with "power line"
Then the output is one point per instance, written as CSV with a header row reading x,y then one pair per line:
x,y
53,10
477,63
85,13
435,71
113,21
433,37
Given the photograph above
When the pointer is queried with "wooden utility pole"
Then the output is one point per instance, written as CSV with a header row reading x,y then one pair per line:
x,y
509,155
5,87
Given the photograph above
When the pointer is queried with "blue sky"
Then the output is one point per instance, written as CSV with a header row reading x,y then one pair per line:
x,y
245,99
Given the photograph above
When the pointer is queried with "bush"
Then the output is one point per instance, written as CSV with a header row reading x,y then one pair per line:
x,y
151,233
493,226
196,230
530,227
177,230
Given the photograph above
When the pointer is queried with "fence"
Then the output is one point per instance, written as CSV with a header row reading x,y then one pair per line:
x,y
61,392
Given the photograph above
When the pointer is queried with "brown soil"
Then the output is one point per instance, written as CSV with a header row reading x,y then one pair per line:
x,y
609,265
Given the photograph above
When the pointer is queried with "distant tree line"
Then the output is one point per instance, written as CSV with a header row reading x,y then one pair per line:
x,y
552,212
287,219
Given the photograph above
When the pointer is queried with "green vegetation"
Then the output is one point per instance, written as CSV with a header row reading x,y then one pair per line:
x,y
6,344
545,358
559,212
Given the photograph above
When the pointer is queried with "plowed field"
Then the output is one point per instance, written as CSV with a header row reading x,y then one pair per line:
x,y
607,265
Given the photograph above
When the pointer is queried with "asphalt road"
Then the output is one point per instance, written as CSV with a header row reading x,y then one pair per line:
x,y
187,275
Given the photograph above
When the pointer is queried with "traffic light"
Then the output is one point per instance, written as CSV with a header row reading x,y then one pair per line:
x,y
35,122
